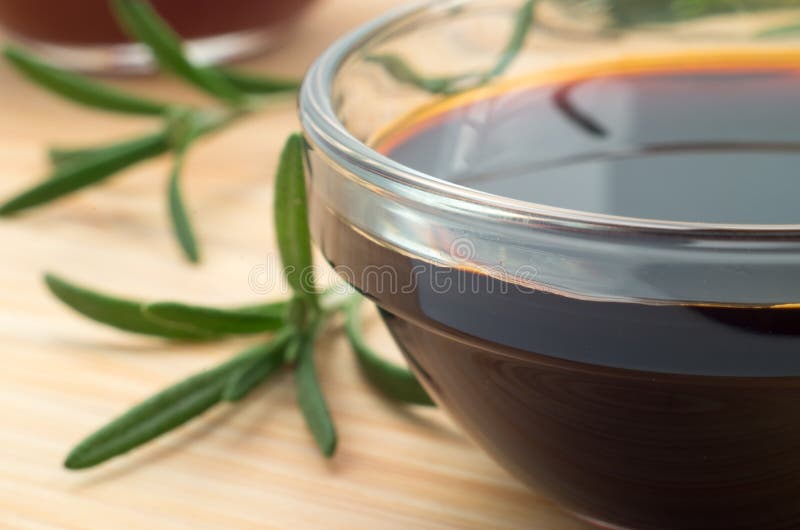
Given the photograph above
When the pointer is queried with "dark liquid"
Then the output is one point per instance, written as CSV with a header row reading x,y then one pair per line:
x,y
89,22
673,416
718,145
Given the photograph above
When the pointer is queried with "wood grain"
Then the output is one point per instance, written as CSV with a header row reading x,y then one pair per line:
x,y
250,466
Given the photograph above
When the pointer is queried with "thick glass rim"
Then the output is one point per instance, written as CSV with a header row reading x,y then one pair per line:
x,y
321,124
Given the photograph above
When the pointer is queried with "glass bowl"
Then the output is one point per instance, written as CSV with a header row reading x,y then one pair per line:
x,y
643,372
83,34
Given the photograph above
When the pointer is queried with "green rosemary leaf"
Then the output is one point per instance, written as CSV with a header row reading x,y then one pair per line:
x,y
92,165
292,349
687,9
792,30
117,312
248,377
179,216
523,21
87,170
291,219
61,155
404,73
309,394
182,132
157,415
258,84
272,309
211,319
394,381
80,89
143,23
632,12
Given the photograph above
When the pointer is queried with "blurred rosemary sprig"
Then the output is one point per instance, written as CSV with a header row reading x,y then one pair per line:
x,y
629,12
236,94
403,72
622,14
291,330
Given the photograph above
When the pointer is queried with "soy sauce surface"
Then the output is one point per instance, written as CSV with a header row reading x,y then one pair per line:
x,y
718,145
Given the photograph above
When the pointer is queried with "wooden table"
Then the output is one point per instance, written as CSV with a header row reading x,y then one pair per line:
x,y
250,466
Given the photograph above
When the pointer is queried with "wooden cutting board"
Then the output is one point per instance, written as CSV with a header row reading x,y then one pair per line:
x,y
250,466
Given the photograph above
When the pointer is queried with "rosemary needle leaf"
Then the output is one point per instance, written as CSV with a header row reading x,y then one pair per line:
x,y
157,415
83,167
273,309
213,320
402,72
141,20
257,84
248,377
87,170
291,218
116,312
292,349
309,394
393,381
59,155
523,21
179,216
80,89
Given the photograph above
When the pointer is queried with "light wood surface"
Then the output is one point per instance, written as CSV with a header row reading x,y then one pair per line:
x,y
249,466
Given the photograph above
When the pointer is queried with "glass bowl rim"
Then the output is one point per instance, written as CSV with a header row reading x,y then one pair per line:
x,y
321,123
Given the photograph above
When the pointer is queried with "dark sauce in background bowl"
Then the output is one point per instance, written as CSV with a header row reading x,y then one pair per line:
x,y
75,32
651,414
90,22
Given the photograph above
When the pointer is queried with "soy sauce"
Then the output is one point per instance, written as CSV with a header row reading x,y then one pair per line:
x,y
673,415
718,145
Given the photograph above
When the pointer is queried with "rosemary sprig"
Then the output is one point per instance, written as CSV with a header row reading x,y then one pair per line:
x,y
295,326
84,170
236,95
161,413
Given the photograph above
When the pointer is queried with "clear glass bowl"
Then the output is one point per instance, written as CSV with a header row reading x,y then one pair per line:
x,y
83,34
643,372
